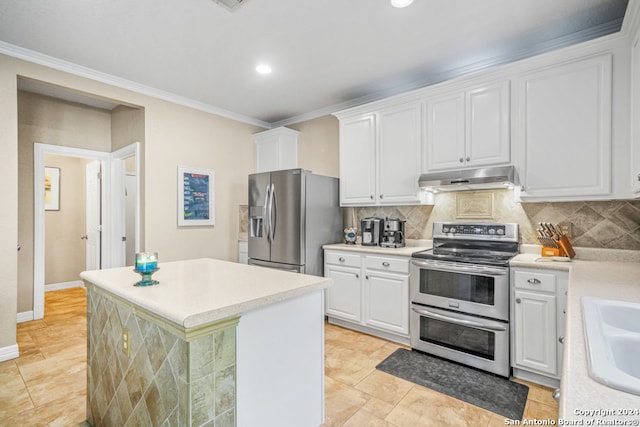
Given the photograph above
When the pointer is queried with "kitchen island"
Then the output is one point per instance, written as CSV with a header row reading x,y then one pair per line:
x,y
214,342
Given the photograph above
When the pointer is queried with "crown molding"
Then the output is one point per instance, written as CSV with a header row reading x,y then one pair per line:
x,y
432,78
631,23
89,73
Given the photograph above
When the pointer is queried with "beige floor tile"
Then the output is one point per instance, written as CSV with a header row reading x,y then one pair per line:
x,y
424,407
341,402
14,396
347,366
363,418
353,340
539,411
384,386
378,407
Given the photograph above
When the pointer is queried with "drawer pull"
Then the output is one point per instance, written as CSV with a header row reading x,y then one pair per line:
x,y
534,281
518,300
561,340
341,259
357,275
385,264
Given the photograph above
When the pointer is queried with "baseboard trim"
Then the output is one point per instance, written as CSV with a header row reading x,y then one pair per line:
x,y
9,352
25,316
63,285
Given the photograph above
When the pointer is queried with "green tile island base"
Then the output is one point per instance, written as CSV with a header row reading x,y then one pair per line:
x,y
170,376
262,367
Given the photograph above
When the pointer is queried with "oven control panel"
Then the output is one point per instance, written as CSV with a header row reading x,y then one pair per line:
x,y
475,230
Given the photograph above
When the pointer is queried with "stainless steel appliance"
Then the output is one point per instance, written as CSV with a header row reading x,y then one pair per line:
x,y
292,213
460,294
393,235
470,179
372,228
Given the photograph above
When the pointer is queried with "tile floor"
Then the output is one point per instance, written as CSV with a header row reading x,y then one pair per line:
x,y
46,385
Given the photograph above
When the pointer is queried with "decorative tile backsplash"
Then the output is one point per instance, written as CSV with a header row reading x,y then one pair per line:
x,y
606,224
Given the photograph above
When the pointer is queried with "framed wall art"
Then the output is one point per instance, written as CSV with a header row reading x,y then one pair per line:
x,y
196,197
51,189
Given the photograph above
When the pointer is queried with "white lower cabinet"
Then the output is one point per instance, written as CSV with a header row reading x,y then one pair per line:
x,y
538,299
370,293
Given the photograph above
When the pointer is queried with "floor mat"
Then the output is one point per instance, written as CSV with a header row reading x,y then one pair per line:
x,y
488,391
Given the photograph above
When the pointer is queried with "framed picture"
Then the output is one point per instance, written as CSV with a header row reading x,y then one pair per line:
x,y
51,189
196,197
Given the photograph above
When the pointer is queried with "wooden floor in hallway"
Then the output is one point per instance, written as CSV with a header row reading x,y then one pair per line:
x,y
46,385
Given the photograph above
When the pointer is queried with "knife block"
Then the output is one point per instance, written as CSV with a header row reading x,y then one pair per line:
x,y
556,247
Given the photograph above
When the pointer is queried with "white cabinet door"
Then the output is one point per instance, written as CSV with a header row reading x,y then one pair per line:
x,y
387,301
535,331
488,125
635,116
445,142
469,128
565,130
358,161
399,145
344,297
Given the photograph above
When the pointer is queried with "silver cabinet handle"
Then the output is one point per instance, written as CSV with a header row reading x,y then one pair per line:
x,y
385,264
461,160
518,300
19,247
468,159
638,177
534,281
382,196
561,340
85,237
357,276
341,259
371,197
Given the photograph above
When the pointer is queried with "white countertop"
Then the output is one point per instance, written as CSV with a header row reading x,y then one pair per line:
x,y
198,292
411,247
606,278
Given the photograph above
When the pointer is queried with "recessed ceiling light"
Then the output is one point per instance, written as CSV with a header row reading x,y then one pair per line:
x,y
263,69
401,3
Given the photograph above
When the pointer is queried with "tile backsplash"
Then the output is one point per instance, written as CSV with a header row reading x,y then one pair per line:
x,y
606,224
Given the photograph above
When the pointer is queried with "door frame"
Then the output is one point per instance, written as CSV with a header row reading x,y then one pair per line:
x,y
40,150
117,204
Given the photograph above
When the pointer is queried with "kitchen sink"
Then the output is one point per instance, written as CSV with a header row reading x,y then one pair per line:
x,y
612,332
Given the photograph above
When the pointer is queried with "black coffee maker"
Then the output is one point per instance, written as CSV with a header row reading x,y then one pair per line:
x,y
393,235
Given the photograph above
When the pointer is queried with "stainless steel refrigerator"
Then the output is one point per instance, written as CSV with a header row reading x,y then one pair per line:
x,y
292,213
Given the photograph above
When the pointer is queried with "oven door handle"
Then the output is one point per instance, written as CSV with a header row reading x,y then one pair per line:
x,y
461,268
462,322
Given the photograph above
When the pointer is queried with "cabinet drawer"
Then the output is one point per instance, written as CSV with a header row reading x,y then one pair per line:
x,y
397,265
342,258
535,281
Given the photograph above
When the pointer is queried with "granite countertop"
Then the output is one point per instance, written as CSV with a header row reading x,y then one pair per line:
x,y
611,274
201,291
411,247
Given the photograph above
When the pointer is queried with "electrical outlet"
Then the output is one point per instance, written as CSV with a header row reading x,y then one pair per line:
x,y
125,341
567,228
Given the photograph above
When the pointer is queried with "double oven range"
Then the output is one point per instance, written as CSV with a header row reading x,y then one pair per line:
x,y
460,294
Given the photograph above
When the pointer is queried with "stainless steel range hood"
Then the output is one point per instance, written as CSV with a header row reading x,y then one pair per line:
x,y
469,179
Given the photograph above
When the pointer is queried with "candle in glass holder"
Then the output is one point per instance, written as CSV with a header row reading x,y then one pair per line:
x,y
146,262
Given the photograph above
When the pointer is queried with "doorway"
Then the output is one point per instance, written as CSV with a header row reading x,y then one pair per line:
x,y
109,236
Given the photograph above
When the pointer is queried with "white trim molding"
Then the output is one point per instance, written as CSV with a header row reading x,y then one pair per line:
x,y
9,352
64,285
25,316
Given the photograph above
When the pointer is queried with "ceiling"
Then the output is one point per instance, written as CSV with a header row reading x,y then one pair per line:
x,y
326,55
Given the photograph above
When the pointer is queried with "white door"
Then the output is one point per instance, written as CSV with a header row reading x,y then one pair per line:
x,y
357,161
92,212
344,297
387,301
131,197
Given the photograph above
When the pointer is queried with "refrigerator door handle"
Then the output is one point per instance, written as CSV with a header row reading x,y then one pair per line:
x,y
274,212
266,213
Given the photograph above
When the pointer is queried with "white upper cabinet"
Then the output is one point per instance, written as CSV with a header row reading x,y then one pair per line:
x,y
399,146
564,130
358,160
276,149
468,128
380,156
